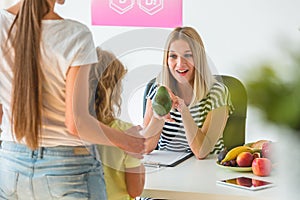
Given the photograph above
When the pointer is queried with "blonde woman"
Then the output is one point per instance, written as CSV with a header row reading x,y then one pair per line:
x,y
124,174
47,131
201,105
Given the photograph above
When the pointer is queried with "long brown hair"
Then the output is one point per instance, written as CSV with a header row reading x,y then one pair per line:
x,y
108,100
25,34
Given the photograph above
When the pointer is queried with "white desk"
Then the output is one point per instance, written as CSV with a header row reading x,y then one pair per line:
x,y
196,179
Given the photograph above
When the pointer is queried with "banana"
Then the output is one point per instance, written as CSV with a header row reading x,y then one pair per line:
x,y
233,153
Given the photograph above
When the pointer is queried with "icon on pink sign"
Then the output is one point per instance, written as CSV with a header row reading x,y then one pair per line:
x,y
146,13
121,6
151,7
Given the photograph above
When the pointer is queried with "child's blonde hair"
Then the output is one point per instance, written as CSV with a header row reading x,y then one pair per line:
x,y
110,71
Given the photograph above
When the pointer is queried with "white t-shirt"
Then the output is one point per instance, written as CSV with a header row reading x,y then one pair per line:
x,y
64,43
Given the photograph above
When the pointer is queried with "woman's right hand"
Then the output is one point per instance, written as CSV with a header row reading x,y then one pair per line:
x,y
166,117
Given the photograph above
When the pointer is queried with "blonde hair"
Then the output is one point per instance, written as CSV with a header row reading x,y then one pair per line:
x,y
203,79
25,34
110,71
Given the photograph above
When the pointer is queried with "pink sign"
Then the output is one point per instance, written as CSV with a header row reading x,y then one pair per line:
x,y
146,13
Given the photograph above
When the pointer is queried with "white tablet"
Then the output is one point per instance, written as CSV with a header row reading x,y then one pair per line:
x,y
246,183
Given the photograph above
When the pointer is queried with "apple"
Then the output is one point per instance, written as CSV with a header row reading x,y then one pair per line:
x,y
244,181
244,159
262,166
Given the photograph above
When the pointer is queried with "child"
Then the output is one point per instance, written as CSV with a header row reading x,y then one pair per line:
x,y
124,174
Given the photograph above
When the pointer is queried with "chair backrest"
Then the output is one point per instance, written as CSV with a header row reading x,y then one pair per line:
x,y
146,91
234,132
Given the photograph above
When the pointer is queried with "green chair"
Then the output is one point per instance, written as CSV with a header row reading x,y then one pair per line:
x,y
234,132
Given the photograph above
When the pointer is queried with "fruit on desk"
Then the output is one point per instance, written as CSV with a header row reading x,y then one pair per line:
x,y
233,153
256,155
258,144
249,144
261,166
233,163
162,102
227,163
222,155
267,150
244,159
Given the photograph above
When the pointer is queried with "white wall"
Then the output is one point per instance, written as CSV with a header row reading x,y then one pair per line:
x,y
237,34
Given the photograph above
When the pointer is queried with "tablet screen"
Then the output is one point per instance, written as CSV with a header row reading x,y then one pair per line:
x,y
246,183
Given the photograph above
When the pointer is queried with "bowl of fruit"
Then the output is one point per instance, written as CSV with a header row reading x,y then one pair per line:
x,y
238,159
255,156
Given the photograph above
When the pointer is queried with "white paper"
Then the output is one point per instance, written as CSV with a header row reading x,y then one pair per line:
x,y
165,158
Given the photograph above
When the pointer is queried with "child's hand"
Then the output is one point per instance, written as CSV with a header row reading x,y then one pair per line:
x,y
134,131
135,145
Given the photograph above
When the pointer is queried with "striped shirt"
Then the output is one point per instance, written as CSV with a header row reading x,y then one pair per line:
x,y
173,136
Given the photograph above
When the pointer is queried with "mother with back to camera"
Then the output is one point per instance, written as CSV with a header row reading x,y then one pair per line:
x,y
47,131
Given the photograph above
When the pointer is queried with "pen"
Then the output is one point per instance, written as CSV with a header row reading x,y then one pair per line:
x,y
152,164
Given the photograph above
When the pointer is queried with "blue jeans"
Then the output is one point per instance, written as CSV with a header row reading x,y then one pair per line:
x,y
61,172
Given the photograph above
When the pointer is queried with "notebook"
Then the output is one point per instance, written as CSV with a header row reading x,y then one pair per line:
x,y
159,158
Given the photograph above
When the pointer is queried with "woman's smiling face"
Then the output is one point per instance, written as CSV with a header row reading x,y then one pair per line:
x,y
181,61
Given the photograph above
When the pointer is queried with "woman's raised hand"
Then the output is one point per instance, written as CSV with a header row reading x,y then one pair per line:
x,y
178,103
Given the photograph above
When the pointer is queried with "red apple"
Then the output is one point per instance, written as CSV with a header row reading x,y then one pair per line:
x,y
261,166
244,159
244,181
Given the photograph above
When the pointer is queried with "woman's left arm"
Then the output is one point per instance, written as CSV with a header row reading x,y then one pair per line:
x,y
202,140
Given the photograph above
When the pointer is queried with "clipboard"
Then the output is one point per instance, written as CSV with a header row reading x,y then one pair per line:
x,y
158,158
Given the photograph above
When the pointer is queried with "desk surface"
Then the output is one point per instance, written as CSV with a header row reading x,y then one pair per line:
x,y
194,179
